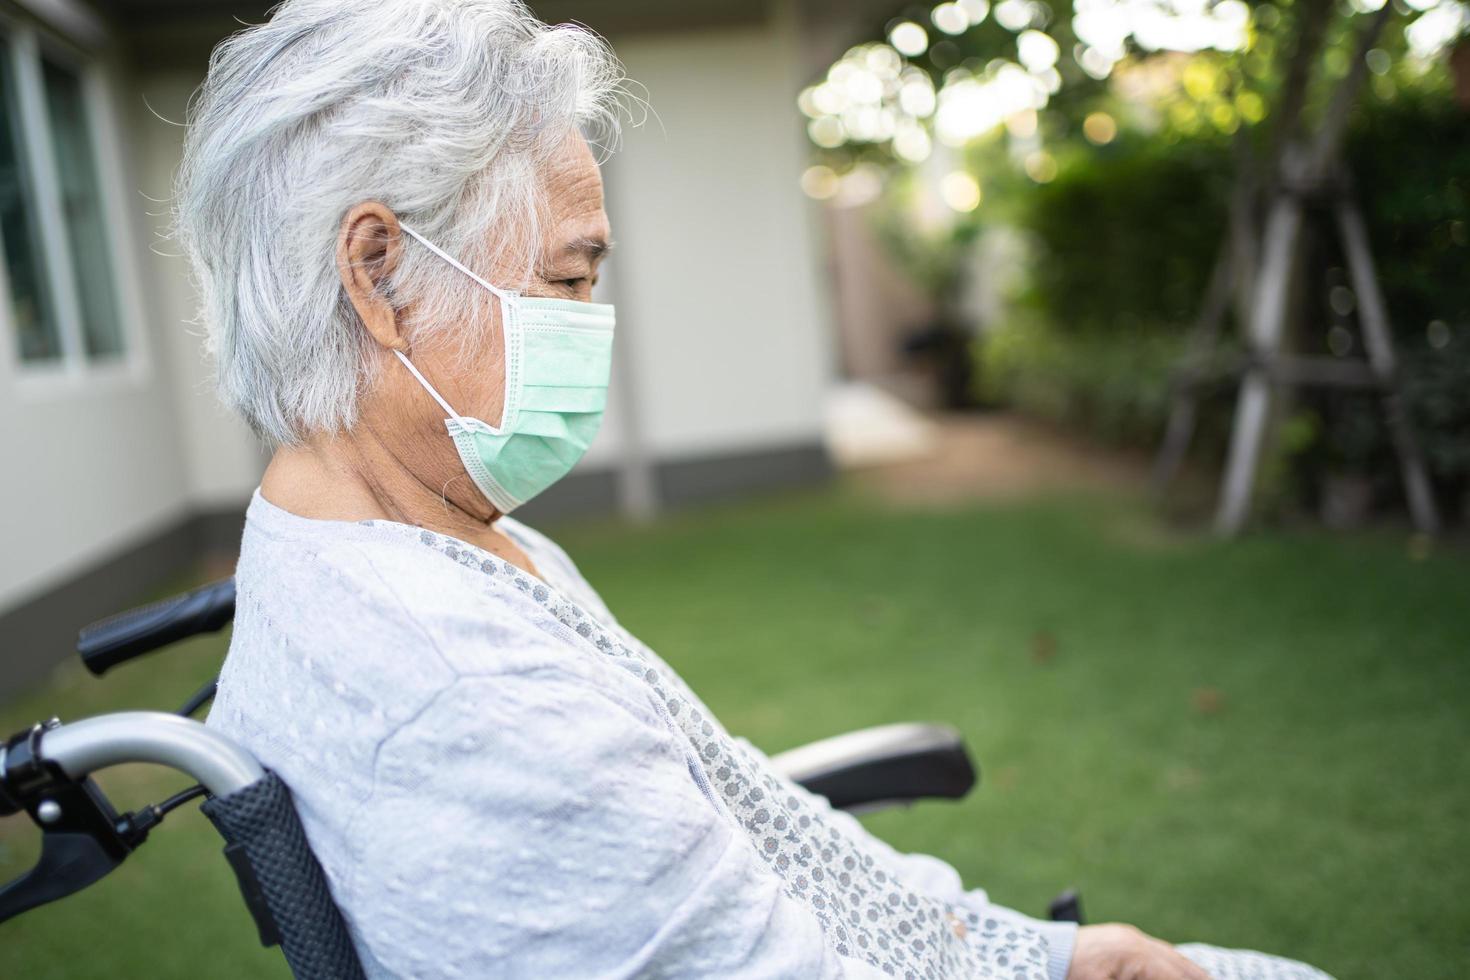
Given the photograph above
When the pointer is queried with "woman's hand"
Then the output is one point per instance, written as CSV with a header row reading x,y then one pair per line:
x,y
1119,952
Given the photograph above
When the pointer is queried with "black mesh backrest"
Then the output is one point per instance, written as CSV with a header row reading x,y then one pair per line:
x,y
260,825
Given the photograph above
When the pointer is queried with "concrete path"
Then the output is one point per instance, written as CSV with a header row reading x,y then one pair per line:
x,y
999,456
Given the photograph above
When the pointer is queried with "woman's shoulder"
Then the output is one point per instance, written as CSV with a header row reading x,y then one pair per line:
x,y
376,616
358,587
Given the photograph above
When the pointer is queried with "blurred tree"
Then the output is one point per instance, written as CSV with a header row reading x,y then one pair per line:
x,y
1136,127
950,79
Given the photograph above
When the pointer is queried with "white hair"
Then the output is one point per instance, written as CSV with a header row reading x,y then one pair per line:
x,y
444,110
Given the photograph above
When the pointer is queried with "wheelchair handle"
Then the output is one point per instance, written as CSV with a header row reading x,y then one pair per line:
x,y
83,747
46,769
109,642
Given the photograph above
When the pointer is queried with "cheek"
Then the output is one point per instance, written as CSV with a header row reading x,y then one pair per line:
x,y
480,375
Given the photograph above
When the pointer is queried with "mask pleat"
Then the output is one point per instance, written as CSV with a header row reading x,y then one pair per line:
x,y
565,313
545,398
565,360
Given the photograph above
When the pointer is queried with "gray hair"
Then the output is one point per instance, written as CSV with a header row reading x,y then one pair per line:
x,y
444,110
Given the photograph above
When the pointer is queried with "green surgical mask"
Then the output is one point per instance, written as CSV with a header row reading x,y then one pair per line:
x,y
558,359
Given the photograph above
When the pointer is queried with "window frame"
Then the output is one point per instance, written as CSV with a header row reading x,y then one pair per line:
x,y
27,44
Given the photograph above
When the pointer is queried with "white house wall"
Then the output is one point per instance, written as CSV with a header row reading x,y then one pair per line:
x,y
222,461
90,459
717,282
88,469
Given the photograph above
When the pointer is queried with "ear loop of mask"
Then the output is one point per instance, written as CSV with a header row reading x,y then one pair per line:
x,y
504,296
428,387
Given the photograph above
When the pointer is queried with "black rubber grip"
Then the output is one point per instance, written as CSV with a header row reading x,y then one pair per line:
x,y
120,638
932,772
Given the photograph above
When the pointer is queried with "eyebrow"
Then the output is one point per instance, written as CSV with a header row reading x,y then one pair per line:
x,y
593,248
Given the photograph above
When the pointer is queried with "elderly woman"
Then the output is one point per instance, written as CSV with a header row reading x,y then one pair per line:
x,y
396,223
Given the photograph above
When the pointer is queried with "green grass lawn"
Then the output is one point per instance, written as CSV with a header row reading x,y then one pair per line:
x,y
1260,743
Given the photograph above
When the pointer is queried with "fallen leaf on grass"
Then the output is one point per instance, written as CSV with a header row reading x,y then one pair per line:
x,y
1208,700
1043,647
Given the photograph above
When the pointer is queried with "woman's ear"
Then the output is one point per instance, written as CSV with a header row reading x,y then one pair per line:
x,y
368,248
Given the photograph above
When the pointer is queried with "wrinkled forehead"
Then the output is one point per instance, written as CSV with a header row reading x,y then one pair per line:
x,y
574,196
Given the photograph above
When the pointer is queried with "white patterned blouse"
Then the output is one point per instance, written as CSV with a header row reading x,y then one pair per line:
x,y
501,781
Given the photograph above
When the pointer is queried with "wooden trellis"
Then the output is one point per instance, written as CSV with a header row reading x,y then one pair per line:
x,y
1255,274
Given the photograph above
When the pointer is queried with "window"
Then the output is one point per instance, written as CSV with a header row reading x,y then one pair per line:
x,y
81,205
58,290
34,322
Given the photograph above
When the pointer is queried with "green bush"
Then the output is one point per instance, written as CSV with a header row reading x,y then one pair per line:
x,y
1411,167
1125,236
1113,387
1123,243
1411,164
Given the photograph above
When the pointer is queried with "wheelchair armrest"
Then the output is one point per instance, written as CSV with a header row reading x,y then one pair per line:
x,y
887,764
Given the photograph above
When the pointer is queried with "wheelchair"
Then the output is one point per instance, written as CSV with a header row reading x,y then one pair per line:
x,y
46,772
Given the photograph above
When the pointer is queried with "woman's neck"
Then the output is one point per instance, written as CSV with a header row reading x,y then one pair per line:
x,y
356,478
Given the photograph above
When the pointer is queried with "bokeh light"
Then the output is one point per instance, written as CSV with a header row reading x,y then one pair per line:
x,y
820,182
909,39
1436,28
827,132
916,97
975,10
1099,128
1251,107
1023,124
960,191
970,107
1015,15
912,143
807,103
1040,166
1437,334
950,18
1037,51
